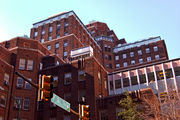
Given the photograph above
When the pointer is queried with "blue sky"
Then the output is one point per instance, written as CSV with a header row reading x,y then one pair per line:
x,y
130,19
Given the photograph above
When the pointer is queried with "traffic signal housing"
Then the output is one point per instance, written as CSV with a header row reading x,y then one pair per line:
x,y
85,112
45,88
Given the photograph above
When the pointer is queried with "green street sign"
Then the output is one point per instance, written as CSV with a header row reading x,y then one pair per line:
x,y
60,102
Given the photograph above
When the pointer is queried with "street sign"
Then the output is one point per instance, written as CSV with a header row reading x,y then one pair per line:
x,y
60,102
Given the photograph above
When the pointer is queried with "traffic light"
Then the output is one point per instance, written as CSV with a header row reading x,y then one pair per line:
x,y
45,88
85,112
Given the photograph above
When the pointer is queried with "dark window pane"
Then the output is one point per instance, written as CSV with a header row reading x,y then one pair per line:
x,y
177,71
118,83
151,77
126,82
142,78
134,80
169,73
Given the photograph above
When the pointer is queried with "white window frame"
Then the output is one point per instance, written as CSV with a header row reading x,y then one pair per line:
x,y
43,32
157,57
42,40
57,45
6,78
50,29
147,50
148,59
125,64
20,82
118,65
124,56
28,85
65,54
139,52
28,106
49,47
140,60
155,48
22,64
50,38
131,54
117,57
133,62
30,64
35,34
67,78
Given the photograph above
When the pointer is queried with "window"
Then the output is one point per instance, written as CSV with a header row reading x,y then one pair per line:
x,y
65,54
117,65
22,63
57,36
17,102
43,32
151,77
3,101
26,103
81,95
106,57
58,26
99,77
157,57
66,33
67,97
30,65
140,60
35,34
132,62
42,40
117,57
155,48
147,50
131,54
124,56
6,79
67,78
148,59
139,52
126,82
142,78
27,85
57,45
40,66
134,80
117,83
125,64
65,43
66,24
177,71
81,75
55,81
50,29
49,47
50,38
111,85
20,82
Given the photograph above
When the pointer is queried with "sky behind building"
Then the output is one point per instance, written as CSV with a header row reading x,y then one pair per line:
x,y
132,20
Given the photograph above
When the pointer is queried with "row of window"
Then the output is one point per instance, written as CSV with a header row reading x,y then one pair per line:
x,y
20,83
22,64
124,56
57,45
18,103
51,29
142,78
125,64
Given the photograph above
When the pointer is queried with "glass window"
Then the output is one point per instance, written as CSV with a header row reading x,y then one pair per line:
x,y
58,26
17,102
131,54
117,57
3,101
142,78
66,24
157,57
42,40
147,50
50,29
139,52
126,82
40,66
30,65
148,59
65,54
43,32
168,73
117,65
20,82
57,45
35,34
132,62
140,60
160,75
27,85
26,103
124,56
67,97
66,33
22,63
65,43
50,38
67,78
118,83
125,64
81,95
49,47
151,77
6,78
111,85
81,75
155,48
177,71
57,36
134,80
